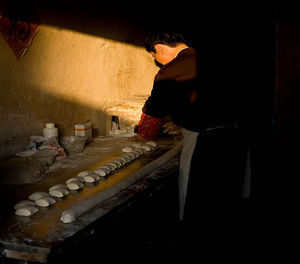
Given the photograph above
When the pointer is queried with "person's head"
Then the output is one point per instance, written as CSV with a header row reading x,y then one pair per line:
x,y
164,46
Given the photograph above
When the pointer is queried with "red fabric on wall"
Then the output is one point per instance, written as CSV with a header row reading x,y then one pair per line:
x,y
18,34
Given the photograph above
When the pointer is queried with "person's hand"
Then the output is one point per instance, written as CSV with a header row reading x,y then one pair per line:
x,y
137,138
171,128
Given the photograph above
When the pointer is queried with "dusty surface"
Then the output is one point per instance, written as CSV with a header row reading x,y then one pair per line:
x,y
44,229
21,170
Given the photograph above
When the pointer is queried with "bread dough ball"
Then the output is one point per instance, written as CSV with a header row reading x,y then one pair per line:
x,y
37,195
45,201
67,217
121,160
59,193
140,151
127,158
95,175
152,143
106,168
136,145
101,172
57,186
75,185
145,147
112,164
118,163
89,178
23,203
131,155
83,173
112,167
26,210
135,153
86,176
127,149
72,179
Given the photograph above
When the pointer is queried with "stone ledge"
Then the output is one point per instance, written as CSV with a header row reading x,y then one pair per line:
x,y
128,110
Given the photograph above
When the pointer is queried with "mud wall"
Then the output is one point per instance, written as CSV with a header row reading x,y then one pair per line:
x,y
66,76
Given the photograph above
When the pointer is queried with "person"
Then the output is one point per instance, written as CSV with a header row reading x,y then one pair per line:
x,y
212,161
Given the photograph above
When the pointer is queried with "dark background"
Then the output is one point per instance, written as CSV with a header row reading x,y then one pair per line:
x,y
253,47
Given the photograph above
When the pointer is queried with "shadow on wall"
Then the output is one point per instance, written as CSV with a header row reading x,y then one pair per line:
x,y
124,22
115,23
30,116
221,34
130,22
47,86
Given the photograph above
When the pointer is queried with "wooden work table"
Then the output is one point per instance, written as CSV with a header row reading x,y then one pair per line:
x,y
36,237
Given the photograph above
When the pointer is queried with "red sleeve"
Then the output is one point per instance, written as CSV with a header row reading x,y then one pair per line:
x,y
149,127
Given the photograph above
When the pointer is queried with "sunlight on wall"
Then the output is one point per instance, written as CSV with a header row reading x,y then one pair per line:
x,y
87,69
67,77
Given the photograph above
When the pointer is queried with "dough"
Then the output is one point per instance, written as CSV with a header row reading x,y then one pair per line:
x,y
135,153
95,175
136,145
121,160
145,147
26,210
75,185
78,209
127,149
106,168
74,179
131,155
112,167
83,173
152,143
126,157
89,178
101,172
140,151
23,203
59,193
118,163
139,147
57,186
112,164
37,195
45,201
68,217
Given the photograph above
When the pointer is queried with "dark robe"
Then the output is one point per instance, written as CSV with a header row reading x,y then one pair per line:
x,y
171,93
199,101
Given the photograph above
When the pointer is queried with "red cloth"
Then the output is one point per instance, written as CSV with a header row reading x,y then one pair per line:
x,y
18,34
149,127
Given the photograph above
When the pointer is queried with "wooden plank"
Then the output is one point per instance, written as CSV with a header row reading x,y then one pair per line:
x,y
35,257
24,252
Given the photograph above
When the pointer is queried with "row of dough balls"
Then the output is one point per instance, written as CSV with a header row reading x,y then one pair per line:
x,y
130,153
43,199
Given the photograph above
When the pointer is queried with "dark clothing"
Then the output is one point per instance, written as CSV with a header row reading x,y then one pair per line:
x,y
217,172
174,87
197,103
186,90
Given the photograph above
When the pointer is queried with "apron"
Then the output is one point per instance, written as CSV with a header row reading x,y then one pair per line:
x,y
188,146
189,143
